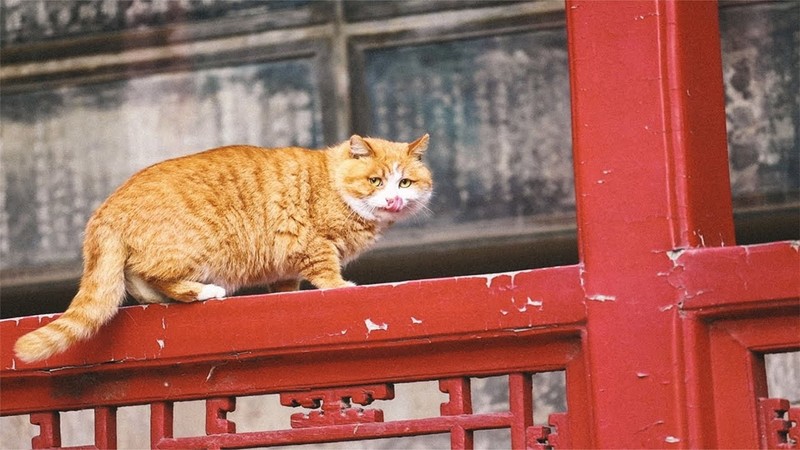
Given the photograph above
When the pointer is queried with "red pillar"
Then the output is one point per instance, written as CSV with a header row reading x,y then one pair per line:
x,y
651,178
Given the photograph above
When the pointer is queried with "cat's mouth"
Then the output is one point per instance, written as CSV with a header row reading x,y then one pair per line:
x,y
392,209
387,209
394,205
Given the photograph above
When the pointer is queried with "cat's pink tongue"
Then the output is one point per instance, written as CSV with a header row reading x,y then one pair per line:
x,y
394,204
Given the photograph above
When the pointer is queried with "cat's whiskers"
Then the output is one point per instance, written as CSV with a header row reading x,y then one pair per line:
x,y
424,208
421,208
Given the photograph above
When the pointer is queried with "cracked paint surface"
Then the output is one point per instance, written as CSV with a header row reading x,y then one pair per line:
x,y
372,326
601,298
490,278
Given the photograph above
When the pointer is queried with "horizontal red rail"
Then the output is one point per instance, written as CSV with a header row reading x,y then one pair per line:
x,y
399,428
268,343
713,279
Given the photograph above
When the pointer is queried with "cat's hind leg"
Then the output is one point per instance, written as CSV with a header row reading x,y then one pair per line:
x,y
142,291
188,291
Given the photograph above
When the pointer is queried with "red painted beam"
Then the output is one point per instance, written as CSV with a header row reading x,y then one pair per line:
x,y
360,316
731,278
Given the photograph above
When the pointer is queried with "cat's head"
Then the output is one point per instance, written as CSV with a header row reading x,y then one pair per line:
x,y
381,180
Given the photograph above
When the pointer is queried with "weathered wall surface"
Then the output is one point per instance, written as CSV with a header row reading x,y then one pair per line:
x,y
761,56
488,82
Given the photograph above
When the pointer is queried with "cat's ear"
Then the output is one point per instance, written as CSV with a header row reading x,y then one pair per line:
x,y
359,148
417,148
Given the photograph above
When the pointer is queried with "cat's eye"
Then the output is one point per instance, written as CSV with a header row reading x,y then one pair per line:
x,y
376,181
405,182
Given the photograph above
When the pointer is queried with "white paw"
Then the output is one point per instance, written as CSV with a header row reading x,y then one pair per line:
x,y
349,284
210,291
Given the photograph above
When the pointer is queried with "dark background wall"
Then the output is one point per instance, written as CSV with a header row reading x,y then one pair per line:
x,y
92,91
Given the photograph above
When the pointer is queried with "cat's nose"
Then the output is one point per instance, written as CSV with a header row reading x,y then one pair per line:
x,y
394,204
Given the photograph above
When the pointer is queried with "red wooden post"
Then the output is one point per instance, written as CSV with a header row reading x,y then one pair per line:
x,y
651,178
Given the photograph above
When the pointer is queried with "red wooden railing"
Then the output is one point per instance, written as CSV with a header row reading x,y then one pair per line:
x,y
661,329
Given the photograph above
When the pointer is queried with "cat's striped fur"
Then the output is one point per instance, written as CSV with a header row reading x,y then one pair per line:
x,y
204,225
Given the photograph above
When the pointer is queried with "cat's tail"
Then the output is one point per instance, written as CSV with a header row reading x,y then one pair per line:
x,y
102,291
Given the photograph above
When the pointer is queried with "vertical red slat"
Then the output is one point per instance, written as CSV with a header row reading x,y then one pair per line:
x,y
580,411
461,439
217,410
460,402
701,426
460,396
161,422
49,429
775,430
562,436
520,403
741,375
105,427
648,120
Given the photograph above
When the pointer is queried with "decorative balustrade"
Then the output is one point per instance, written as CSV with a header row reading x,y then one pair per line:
x,y
318,358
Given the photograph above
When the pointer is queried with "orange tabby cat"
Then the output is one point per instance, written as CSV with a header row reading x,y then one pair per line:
x,y
202,226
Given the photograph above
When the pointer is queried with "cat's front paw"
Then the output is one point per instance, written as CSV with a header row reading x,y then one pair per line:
x,y
338,285
210,291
